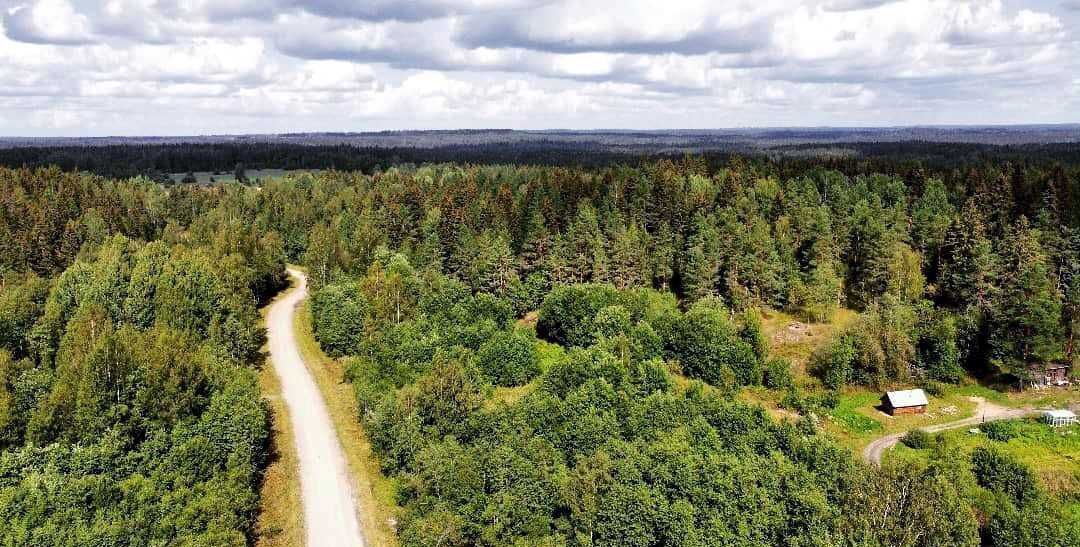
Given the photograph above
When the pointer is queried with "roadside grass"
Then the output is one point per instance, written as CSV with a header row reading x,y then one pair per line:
x,y
1052,453
375,493
281,511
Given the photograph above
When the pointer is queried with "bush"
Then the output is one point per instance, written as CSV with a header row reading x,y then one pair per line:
x,y
778,374
1001,431
999,472
567,314
917,439
509,358
708,346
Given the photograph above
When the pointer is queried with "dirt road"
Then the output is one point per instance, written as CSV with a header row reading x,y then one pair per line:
x,y
330,509
984,412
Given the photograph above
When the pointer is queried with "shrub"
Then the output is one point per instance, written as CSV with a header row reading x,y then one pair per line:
x,y
999,472
567,314
708,346
509,358
917,439
611,321
778,374
1001,431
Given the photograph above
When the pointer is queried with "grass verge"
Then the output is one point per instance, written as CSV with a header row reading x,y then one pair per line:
x,y
374,492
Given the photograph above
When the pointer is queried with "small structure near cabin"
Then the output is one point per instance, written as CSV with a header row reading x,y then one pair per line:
x,y
910,401
1048,375
1058,418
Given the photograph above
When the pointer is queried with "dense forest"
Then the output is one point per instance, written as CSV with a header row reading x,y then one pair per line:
x,y
129,409
543,355
639,272
153,160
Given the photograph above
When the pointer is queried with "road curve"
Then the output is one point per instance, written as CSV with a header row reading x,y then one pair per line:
x,y
330,509
984,412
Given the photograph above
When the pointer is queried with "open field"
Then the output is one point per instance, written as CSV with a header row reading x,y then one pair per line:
x,y
254,176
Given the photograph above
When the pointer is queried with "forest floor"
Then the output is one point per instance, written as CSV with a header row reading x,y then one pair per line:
x,y
375,493
329,504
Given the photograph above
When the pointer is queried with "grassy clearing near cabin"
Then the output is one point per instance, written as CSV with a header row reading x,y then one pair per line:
x,y
375,493
795,340
856,420
281,512
1052,453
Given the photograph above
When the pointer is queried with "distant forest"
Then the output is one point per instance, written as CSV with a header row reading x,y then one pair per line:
x,y
121,161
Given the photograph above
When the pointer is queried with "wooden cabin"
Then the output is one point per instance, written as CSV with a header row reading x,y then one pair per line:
x,y
1049,375
910,401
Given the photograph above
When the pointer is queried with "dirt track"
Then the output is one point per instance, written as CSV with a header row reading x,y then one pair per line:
x,y
984,412
330,509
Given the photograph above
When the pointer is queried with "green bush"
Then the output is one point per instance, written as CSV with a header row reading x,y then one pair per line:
x,y
778,374
337,313
707,345
1000,472
1001,431
917,439
509,358
567,314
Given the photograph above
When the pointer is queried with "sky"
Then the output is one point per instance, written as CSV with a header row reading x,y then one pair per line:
x,y
197,67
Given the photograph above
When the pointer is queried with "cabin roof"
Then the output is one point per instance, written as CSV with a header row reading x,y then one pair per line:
x,y
906,398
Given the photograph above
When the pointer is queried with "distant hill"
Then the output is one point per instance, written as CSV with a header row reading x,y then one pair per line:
x,y
633,141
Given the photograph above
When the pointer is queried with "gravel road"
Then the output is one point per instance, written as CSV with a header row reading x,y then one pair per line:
x,y
984,412
330,509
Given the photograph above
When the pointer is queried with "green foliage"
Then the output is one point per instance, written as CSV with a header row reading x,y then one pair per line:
x,y
509,358
937,351
778,374
917,439
1002,473
567,314
708,346
874,351
339,312
129,413
1001,431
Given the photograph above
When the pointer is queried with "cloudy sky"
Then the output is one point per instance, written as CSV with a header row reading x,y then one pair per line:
x,y
169,67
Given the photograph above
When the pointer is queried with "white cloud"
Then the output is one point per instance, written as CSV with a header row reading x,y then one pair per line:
x,y
166,66
47,22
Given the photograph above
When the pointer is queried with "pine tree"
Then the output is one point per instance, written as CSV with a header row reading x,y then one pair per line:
x,y
701,265
968,265
1025,322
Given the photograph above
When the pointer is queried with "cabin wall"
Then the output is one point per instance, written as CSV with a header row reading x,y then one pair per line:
x,y
908,410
